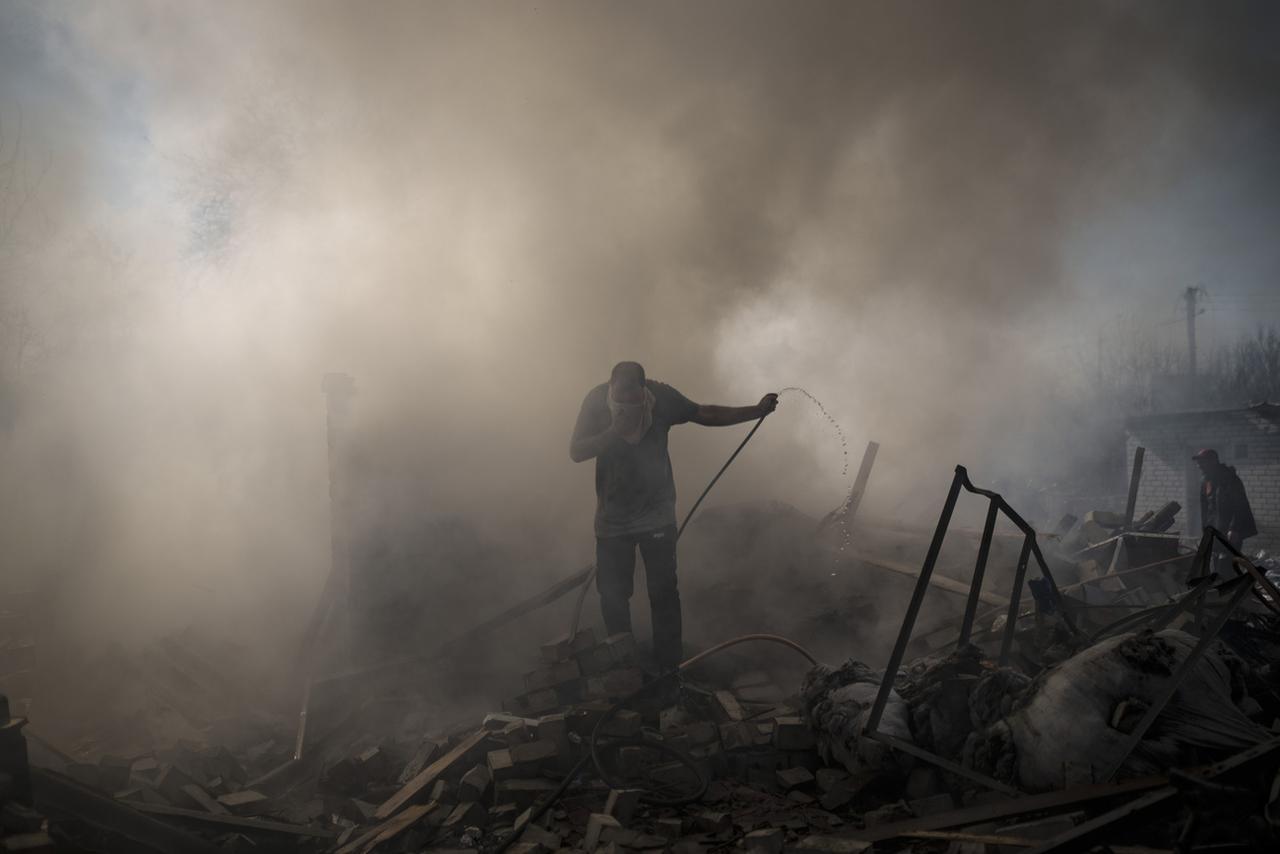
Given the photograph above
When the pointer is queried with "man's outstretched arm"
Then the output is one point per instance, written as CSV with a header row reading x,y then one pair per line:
x,y
709,415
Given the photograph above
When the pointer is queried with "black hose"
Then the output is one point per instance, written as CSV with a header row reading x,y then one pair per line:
x,y
732,457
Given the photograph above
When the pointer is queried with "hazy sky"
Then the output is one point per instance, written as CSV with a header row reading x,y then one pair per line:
x,y
924,213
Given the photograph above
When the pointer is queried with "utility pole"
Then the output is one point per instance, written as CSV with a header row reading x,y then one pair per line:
x,y
1190,295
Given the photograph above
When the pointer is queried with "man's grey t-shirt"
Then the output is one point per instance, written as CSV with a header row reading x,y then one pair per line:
x,y
635,490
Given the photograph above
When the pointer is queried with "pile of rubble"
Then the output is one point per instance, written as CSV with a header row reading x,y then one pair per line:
x,y
1050,722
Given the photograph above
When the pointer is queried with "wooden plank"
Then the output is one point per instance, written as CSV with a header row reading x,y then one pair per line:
x,y
235,821
388,829
942,582
1003,809
428,775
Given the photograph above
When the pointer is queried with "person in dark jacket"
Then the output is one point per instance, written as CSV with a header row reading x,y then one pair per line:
x,y
1223,503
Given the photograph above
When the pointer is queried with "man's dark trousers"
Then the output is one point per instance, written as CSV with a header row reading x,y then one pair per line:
x,y
615,572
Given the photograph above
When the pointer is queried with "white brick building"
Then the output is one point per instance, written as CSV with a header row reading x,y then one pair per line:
x,y
1248,439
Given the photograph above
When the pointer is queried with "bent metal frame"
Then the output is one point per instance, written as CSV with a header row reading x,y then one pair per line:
x,y
1200,580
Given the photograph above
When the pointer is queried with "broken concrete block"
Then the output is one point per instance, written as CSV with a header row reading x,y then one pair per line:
x,y
593,662
534,703
599,829
622,682
551,675
791,778
565,646
475,783
800,798
767,841
553,728
728,706
792,733
500,763
621,647
523,791
467,814
531,756
622,805
557,650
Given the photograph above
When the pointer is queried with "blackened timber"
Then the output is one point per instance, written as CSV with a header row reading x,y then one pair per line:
x,y
1135,480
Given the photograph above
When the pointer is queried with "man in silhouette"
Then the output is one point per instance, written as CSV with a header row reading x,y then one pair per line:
x,y
623,425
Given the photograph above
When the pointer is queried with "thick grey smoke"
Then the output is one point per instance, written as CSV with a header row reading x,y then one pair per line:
x,y
918,212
